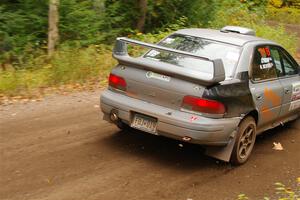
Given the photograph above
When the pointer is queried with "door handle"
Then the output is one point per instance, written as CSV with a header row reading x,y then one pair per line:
x,y
259,97
286,90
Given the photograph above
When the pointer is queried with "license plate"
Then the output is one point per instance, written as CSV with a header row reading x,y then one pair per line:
x,y
144,123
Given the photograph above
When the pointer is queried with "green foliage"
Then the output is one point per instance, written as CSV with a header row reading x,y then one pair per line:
x,y
68,66
233,12
286,193
280,14
165,12
86,26
80,21
277,3
24,22
120,16
78,65
243,14
277,34
24,25
14,83
282,192
283,3
242,197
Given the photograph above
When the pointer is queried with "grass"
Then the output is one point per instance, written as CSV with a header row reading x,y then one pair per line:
x,y
278,34
280,14
68,66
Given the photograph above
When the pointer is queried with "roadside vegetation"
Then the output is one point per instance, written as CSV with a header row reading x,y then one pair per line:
x,y
87,30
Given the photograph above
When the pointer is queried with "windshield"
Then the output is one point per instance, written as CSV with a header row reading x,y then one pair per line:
x,y
206,48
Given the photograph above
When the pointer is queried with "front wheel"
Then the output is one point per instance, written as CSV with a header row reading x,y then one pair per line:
x,y
244,142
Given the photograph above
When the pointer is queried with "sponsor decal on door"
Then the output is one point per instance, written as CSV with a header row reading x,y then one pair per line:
x,y
295,104
271,100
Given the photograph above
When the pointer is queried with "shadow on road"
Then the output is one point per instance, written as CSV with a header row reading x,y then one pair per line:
x,y
184,156
161,150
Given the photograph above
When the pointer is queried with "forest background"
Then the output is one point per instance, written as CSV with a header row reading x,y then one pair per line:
x,y
63,44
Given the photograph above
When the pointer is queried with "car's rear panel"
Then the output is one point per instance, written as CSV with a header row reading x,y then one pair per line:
x,y
157,88
168,98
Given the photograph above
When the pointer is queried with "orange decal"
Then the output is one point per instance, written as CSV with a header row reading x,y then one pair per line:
x,y
272,97
267,50
262,52
266,112
266,108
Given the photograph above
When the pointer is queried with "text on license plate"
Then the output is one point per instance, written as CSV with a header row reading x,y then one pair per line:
x,y
144,123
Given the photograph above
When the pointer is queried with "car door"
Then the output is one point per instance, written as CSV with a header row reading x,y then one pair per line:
x,y
266,89
288,72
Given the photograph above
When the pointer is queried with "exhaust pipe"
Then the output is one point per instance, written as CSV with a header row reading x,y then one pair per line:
x,y
186,139
113,116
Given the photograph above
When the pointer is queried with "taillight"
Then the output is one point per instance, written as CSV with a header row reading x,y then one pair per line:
x,y
203,105
117,82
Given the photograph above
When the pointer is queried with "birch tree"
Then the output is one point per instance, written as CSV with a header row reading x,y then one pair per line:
x,y
53,18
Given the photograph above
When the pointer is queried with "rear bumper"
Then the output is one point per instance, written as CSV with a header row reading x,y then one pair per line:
x,y
171,123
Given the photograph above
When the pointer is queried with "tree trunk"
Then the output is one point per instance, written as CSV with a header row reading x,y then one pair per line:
x,y
3,66
53,17
142,17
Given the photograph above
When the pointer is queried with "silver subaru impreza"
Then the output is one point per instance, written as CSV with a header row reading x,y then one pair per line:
x,y
216,88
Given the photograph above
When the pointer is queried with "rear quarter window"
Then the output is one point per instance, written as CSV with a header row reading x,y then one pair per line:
x,y
263,65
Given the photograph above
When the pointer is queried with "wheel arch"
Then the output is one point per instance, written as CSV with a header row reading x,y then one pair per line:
x,y
254,114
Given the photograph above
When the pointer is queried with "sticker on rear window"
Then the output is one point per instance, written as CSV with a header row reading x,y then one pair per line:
x,y
153,53
158,76
266,63
169,40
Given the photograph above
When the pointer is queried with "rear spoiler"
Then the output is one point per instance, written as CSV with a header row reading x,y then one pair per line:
x,y
120,53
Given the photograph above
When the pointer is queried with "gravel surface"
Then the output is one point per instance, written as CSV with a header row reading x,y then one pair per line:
x,y
61,149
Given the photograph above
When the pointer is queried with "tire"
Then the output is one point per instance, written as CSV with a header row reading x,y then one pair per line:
x,y
244,142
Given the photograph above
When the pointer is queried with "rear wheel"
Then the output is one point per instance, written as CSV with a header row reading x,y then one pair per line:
x,y
244,142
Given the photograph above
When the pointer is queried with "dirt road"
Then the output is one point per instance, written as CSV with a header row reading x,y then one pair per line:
x,y
60,149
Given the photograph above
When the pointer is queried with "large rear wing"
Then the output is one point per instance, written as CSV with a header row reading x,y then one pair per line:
x,y
120,53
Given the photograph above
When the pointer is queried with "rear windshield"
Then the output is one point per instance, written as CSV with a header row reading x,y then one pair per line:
x,y
206,48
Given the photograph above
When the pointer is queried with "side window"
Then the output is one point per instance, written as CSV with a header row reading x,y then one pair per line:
x,y
290,68
263,67
275,54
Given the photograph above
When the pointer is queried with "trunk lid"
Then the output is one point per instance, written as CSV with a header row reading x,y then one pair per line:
x,y
156,87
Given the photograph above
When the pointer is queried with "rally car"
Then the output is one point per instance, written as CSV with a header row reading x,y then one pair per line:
x,y
216,88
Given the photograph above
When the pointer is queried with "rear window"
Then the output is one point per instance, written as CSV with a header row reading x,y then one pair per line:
x,y
206,48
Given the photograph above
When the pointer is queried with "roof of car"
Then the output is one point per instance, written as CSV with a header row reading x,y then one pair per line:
x,y
217,35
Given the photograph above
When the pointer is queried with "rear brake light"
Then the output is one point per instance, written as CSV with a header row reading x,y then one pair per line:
x,y
117,82
203,105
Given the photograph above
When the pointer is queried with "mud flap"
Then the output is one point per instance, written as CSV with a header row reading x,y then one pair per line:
x,y
222,153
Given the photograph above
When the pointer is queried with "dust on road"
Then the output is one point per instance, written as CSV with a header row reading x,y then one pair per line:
x,y
61,149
